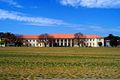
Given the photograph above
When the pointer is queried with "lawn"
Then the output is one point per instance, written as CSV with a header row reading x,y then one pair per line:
x,y
21,63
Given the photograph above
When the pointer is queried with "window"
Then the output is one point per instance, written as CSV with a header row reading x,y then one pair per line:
x,y
65,44
31,40
61,40
68,44
86,39
57,40
87,44
65,40
90,44
33,45
25,40
61,44
68,40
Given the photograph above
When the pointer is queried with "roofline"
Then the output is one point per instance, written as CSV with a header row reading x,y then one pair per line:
x,y
61,36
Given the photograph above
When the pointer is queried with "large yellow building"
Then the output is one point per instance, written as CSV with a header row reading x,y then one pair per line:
x,y
62,40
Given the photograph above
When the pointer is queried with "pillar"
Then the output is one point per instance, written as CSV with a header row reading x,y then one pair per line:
x,y
71,43
59,42
67,42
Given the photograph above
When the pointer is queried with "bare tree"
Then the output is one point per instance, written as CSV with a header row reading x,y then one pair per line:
x,y
78,39
47,39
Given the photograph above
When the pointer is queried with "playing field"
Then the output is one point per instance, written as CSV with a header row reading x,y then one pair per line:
x,y
36,63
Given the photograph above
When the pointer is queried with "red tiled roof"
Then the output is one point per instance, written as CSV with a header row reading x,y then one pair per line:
x,y
93,36
62,35
29,36
59,36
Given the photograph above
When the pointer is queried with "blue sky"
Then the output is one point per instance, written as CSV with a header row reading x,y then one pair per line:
x,y
100,17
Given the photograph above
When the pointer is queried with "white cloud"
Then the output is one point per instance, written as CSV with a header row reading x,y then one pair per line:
x,y
41,21
92,3
97,29
10,15
12,3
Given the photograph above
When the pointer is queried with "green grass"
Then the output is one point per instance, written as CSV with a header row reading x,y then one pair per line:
x,y
20,63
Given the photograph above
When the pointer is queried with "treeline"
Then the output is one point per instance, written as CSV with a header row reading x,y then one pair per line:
x,y
10,39
113,40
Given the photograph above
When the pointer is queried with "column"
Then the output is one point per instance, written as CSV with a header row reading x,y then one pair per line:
x,y
55,40
59,42
67,42
71,43
96,43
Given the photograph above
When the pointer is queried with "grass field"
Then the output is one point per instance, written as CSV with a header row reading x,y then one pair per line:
x,y
34,63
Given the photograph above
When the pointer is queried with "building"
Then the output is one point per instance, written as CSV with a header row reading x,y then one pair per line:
x,y
62,40
2,44
107,43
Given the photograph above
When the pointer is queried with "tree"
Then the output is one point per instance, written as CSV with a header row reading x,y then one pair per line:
x,y
2,42
113,39
44,38
1,34
18,41
11,39
47,39
100,44
51,41
78,40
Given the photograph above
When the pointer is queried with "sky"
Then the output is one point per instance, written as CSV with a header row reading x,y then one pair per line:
x,y
33,17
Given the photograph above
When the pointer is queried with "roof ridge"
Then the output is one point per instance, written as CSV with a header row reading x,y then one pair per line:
x,y
63,36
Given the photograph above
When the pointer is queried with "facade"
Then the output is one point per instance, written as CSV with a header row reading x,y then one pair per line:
x,y
62,40
107,43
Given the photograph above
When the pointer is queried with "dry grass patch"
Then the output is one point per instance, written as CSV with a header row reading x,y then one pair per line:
x,y
23,63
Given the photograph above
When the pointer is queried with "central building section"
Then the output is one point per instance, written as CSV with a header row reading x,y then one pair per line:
x,y
62,40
